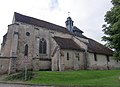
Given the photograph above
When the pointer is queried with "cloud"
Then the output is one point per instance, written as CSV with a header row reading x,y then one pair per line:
x,y
88,15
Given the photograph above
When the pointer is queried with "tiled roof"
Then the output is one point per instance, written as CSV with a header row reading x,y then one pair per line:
x,y
96,47
79,35
78,32
66,43
38,22
77,29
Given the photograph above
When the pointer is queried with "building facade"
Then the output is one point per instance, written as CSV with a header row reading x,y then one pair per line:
x,y
40,45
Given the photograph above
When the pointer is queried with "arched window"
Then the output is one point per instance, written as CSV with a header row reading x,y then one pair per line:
x,y
42,46
26,50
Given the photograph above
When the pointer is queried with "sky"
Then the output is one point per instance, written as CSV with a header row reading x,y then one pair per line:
x,y
88,15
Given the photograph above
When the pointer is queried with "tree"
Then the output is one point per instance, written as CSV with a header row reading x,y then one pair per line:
x,y
112,28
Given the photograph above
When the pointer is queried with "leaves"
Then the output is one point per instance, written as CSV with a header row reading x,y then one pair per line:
x,y
112,28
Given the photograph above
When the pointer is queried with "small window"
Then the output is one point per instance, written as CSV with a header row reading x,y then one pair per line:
x,y
77,56
26,50
95,57
108,59
27,33
1,66
67,56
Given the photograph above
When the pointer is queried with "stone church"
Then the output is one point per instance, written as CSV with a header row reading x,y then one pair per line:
x,y
40,45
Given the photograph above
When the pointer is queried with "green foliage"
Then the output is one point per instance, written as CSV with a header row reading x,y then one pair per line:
x,y
77,78
112,28
20,76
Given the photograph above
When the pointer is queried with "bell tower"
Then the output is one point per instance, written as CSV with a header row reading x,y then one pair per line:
x,y
69,24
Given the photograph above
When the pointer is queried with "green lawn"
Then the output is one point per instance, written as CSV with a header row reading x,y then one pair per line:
x,y
78,78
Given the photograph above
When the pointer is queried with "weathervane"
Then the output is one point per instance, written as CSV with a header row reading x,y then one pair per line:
x,y
68,13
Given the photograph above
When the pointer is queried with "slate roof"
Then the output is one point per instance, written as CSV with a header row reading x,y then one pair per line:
x,y
98,48
38,22
66,43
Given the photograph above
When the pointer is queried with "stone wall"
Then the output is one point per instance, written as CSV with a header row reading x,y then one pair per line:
x,y
41,64
73,62
101,62
6,46
55,54
81,42
20,34
4,64
114,63
32,40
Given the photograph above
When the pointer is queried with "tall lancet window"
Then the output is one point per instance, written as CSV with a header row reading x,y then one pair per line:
x,y
42,46
26,50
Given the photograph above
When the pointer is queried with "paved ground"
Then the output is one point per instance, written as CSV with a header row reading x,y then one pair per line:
x,y
19,85
22,85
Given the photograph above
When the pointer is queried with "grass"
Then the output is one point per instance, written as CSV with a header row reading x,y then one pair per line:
x,y
19,76
77,78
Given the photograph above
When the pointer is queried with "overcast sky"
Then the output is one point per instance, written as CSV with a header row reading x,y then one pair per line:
x,y
88,15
